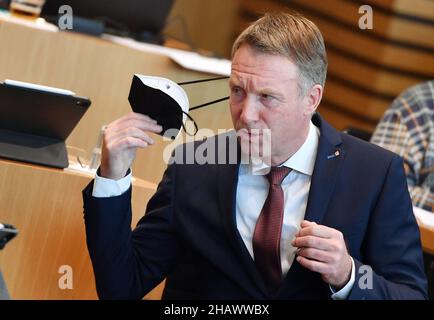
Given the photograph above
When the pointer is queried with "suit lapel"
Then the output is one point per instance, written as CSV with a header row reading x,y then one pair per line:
x,y
329,159
328,163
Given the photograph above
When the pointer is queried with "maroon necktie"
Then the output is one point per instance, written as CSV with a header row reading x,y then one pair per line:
x,y
268,230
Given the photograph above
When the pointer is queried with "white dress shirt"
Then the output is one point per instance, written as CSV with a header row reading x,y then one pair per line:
x,y
252,191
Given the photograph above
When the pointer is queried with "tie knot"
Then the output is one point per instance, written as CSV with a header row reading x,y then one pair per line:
x,y
277,174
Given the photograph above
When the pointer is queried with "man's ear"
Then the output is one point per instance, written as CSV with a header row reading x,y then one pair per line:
x,y
313,98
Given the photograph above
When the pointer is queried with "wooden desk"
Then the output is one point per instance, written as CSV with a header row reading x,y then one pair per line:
x,y
427,238
45,205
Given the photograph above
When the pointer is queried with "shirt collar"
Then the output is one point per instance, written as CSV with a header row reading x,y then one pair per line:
x,y
302,161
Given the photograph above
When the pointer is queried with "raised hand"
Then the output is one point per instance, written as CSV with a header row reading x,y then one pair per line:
x,y
323,250
122,137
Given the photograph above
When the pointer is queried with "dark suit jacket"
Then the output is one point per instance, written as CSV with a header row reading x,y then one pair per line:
x,y
189,232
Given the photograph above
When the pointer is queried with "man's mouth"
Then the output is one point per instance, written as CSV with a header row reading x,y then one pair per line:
x,y
251,136
251,132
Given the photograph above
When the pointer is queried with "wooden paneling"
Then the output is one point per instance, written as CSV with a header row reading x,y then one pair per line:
x,y
422,9
385,26
209,23
356,42
341,94
343,120
368,76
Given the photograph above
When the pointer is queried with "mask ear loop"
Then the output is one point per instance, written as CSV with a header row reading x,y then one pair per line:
x,y
198,107
202,80
196,129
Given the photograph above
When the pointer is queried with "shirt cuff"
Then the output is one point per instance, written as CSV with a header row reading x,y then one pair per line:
x,y
345,291
105,188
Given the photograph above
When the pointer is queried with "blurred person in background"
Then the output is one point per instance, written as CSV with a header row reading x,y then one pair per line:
x,y
407,128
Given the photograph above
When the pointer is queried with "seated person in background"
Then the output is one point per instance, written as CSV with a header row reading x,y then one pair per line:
x,y
407,129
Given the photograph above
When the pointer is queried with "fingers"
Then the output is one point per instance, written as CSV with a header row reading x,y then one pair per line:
x,y
318,236
315,254
124,132
311,241
114,137
133,116
315,266
322,249
306,223
121,139
313,229
134,120
312,235
128,143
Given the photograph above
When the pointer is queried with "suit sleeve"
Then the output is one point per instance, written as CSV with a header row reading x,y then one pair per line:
x,y
392,250
128,264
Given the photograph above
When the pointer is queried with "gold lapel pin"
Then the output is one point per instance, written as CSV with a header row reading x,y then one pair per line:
x,y
334,155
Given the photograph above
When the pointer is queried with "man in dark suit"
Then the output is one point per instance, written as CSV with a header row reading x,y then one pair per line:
x,y
312,214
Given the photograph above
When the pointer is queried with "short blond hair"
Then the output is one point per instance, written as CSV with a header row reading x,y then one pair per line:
x,y
293,36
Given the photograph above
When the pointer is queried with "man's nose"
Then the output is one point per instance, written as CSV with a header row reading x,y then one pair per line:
x,y
249,113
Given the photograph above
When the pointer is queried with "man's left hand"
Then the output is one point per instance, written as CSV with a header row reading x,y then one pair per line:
x,y
322,249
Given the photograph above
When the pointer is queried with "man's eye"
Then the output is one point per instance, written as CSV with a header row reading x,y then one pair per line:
x,y
266,96
236,90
